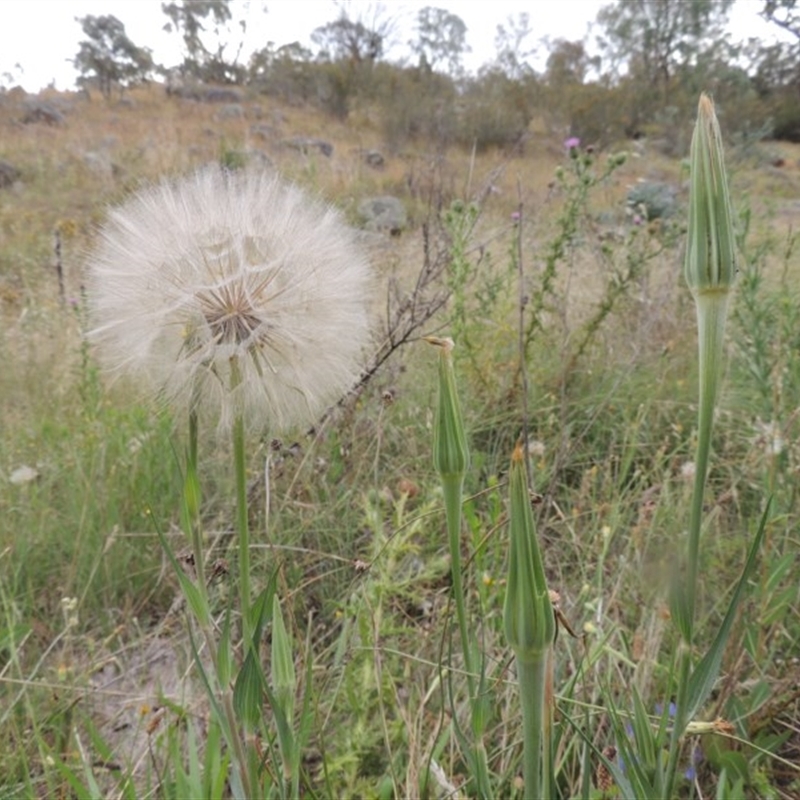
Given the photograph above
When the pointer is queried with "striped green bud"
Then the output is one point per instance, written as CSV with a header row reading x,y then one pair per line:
x,y
450,451
711,246
528,617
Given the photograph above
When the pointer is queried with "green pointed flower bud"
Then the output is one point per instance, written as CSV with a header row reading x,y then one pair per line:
x,y
530,625
450,451
710,273
711,247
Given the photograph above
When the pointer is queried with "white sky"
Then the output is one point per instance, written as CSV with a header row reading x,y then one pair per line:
x,y
41,36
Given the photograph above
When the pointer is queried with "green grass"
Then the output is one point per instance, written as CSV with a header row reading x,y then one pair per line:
x,y
356,526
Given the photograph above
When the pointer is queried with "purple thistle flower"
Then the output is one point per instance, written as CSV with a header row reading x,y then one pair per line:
x,y
572,143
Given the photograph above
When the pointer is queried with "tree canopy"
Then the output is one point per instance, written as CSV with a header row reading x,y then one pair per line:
x,y
108,55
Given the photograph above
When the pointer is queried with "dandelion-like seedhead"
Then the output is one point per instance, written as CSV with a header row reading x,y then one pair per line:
x,y
234,293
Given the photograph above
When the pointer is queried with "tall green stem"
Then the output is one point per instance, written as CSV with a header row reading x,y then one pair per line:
x,y
532,677
231,727
242,524
452,488
191,499
712,309
451,461
710,271
242,527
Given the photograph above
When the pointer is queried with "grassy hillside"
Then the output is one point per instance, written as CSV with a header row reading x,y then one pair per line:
x,y
96,679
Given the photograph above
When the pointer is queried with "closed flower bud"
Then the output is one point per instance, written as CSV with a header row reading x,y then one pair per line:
x,y
450,451
711,246
530,625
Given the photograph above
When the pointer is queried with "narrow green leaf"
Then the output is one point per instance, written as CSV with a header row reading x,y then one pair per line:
x,y
707,670
251,682
194,597
248,692
225,651
284,679
643,731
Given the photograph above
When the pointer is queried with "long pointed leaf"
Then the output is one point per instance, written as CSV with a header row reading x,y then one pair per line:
x,y
705,674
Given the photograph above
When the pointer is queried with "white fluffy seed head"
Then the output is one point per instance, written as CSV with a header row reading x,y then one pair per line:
x,y
233,293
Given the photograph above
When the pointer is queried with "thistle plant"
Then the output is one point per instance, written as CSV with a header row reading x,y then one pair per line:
x,y
234,299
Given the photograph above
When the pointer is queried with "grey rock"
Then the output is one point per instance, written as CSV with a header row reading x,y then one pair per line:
x,y
262,130
8,174
99,163
374,159
383,214
307,143
40,111
229,111
216,94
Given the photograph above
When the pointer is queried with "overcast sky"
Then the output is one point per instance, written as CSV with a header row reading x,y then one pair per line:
x,y
41,36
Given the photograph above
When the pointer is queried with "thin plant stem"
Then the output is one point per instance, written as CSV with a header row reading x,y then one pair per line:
x,y
532,677
712,310
452,487
193,515
242,527
712,307
242,524
193,520
684,663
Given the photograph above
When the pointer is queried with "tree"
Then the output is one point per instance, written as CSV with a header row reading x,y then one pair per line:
x,y
346,39
109,56
777,73
190,17
509,43
441,39
567,64
653,37
784,13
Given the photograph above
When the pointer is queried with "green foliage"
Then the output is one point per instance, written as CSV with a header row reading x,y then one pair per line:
x,y
441,39
187,17
108,56
352,531
416,105
352,40
495,111
652,39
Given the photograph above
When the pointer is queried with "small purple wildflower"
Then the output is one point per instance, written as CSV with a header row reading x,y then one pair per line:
x,y
515,217
637,219
672,709
697,758
572,143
